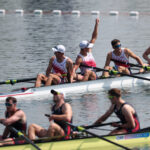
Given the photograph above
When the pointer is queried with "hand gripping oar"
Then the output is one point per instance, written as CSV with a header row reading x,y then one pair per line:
x,y
81,129
13,81
113,72
147,68
20,134
99,125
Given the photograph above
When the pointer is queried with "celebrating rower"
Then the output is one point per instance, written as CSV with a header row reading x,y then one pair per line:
x,y
15,118
125,112
61,113
85,57
145,55
119,55
59,69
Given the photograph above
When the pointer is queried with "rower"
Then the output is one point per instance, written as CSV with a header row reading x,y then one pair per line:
x,y
15,118
120,55
124,111
85,57
59,69
145,55
61,113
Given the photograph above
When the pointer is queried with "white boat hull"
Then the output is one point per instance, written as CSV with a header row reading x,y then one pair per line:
x,y
79,87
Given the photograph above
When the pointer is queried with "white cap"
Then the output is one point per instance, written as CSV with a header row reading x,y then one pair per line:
x,y
59,48
85,44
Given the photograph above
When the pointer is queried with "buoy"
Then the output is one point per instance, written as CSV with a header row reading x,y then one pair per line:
x,y
134,13
75,12
38,11
95,12
113,13
57,12
2,11
19,11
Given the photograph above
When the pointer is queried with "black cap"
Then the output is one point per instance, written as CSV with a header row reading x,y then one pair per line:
x,y
54,92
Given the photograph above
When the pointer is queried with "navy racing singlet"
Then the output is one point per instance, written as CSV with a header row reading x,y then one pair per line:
x,y
64,126
123,120
18,125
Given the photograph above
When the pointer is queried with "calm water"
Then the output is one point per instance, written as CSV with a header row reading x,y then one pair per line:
x,y
26,42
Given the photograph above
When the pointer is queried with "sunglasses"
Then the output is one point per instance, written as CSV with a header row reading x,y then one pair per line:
x,y
117,46
8,104
110,96
54,92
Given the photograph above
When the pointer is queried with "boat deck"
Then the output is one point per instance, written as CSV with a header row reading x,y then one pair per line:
x,y
87,143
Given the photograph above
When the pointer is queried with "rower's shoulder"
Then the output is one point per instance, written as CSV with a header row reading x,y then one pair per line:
x,y
147,51
109,54
127,107
52,59
69,60
127,50
20,111
78,59
67,105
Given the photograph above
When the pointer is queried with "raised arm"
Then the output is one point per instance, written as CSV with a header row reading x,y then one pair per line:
x,y
95,33
145,55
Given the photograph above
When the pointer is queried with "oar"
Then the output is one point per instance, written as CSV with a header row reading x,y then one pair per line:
x,y
133,65
116,72
99,125
13,81
20,134
81,129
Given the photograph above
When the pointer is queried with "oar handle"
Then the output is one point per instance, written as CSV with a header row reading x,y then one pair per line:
x,y
146,68
47,115
127,63
100,125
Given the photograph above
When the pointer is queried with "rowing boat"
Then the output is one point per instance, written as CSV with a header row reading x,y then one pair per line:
x,y
139,139
79,87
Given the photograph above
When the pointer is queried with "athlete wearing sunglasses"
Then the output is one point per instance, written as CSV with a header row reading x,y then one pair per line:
x,y
119,55
124,111
14,117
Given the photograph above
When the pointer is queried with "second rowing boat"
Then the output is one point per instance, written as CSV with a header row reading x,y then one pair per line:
x,y
79,87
